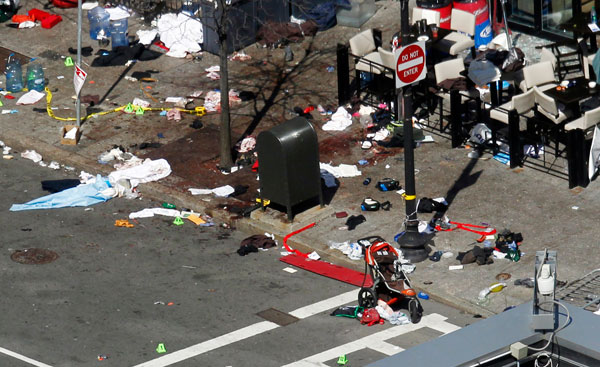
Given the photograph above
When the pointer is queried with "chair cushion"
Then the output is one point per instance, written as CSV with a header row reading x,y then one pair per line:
x,y
539,74
367,65
454,43
465,95
448,69
501,114
562,115
575,124
362,43
543,87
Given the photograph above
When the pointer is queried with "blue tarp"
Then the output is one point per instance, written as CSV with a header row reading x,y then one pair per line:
x,y
82,195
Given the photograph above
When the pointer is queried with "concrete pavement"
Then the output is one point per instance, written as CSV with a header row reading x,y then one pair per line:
x,y
526,200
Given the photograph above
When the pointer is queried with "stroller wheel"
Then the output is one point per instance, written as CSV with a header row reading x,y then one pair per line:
x,y
415,311
367,298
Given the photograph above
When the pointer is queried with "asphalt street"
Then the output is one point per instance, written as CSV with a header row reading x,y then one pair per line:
x,y
120,292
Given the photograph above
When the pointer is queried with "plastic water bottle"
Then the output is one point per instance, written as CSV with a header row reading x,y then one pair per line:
x,y
99,23
14,75
118,33
35,76
593,15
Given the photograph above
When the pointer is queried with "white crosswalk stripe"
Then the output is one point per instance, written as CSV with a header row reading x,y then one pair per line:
x,y
377,341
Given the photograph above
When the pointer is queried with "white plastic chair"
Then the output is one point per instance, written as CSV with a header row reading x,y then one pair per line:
x,y
463,25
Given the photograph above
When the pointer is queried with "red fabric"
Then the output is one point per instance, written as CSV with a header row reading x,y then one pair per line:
x,y
302,254
469,227
20,18
371,317
64,3
329,270
255,166
51,21
38,15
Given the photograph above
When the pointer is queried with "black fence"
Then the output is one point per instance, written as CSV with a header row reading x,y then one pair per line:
x,y
243,18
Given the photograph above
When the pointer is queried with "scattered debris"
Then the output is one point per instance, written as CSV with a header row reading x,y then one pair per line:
x,y
123,223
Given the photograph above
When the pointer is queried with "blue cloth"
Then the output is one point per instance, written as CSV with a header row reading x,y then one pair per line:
x,y
596,66
328,178
82,195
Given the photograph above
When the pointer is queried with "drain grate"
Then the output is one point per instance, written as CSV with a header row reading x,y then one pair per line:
x,y
278,317
34,256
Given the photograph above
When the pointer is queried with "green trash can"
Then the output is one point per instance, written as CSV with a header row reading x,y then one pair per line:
x,y
288,166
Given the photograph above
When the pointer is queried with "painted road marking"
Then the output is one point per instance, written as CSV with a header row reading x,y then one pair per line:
x,y
377,341
23,358
248,331
325,305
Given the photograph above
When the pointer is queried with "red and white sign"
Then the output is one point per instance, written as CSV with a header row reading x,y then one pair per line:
x,y
410,64
79,78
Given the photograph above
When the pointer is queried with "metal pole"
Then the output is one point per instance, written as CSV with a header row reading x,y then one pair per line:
x,y
411,242
78,104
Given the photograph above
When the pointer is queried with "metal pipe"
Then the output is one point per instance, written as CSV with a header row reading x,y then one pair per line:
x,y
78,103
490,359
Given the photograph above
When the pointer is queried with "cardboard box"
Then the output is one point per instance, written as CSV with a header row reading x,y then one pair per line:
x,y
66,141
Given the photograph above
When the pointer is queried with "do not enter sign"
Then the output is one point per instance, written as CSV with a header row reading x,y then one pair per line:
x,y
410,64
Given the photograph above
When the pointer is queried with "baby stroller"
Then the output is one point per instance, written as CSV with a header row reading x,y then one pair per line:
x,y
390,283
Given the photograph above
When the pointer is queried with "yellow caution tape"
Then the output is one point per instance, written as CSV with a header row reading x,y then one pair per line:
x,y
198,111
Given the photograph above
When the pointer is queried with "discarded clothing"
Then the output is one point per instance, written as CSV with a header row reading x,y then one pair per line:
x,y
527,282
354,251
459,83
343,170
118,13
329,178
174,114
259,241
371,317
340,120
393,317
239,190
122,55
482,72
150,212
180,33
246,249
324,15
272,33
222,191
355,220
32,155
146,36
150,170
347,311
246,145
428,205
82,195
477,254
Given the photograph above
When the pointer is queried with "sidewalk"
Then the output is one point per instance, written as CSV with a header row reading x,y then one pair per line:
x,y
524,200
